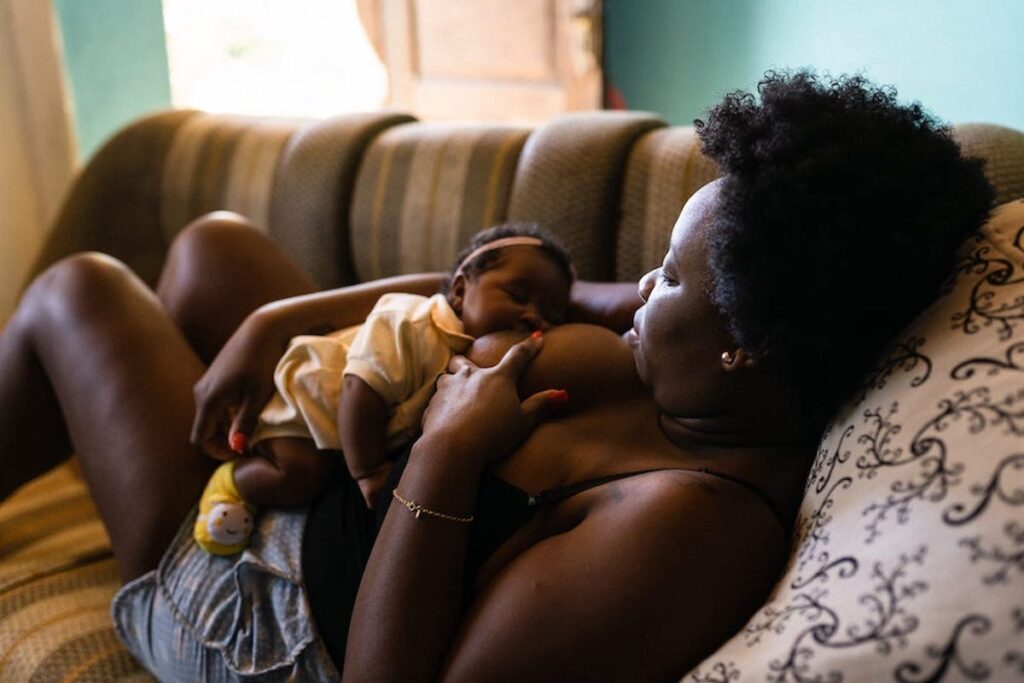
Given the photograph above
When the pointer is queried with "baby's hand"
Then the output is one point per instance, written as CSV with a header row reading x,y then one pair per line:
x,y
373,483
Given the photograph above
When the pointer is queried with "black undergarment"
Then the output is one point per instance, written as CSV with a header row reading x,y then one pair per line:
x,y
340,532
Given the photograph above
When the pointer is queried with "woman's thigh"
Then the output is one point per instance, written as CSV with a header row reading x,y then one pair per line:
x,y
121,363
219,269
122,374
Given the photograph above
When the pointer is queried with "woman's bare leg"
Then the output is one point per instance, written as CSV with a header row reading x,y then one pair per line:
x,y
122,376
91,358
219,269
33,438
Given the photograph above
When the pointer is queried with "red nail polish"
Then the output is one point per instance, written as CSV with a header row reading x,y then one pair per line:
x,y
558,397
536,334
238,442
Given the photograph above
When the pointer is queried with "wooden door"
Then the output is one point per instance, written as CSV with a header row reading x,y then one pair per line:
x,y
497,60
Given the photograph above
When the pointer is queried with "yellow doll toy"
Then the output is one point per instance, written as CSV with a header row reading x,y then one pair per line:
x,y
225,520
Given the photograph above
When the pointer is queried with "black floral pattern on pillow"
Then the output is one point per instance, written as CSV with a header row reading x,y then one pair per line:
x,y
908,560
985,306
950,657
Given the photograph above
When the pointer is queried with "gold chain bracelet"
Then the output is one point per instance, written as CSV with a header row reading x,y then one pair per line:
x,y
418,509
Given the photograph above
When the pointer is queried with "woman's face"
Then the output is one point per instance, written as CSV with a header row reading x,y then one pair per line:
x,y
678,334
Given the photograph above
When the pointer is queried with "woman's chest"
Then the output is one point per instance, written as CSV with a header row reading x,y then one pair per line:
x,y
604,440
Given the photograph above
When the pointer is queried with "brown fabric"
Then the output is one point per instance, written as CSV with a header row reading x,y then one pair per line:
x,y
424,189
221,163
313,187
665,167
158,174
57,577
569,181
1003,150
58,627
47,526
92,656
114,204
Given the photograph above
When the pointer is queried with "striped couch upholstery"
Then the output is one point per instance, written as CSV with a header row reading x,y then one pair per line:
x,y
424,189
56,580
351,198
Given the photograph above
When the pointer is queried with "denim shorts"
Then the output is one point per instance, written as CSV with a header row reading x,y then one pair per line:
x,y
202,617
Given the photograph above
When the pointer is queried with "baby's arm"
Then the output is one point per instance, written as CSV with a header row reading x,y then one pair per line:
x,y
362,427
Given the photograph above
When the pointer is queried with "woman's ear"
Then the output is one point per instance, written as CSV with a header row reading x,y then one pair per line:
x,y
456,293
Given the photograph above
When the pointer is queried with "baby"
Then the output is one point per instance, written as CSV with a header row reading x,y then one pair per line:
x,y
363,390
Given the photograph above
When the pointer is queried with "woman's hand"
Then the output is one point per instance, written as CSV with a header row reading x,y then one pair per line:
x,y
478,412
236,386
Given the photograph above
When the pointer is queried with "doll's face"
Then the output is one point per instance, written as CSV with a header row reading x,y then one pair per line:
x,y
229,523
526,291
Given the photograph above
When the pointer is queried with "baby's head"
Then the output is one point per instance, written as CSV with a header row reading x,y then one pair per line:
x,y
510,277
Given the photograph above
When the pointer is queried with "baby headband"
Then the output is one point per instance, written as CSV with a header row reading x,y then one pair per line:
x,y
519,240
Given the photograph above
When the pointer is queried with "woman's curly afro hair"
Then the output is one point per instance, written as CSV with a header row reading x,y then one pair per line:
x,y
839,215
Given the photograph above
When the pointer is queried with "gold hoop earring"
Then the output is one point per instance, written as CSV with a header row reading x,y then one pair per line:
x,y
731,360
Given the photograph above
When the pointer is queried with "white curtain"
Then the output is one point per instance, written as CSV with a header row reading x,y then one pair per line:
x,y
37,148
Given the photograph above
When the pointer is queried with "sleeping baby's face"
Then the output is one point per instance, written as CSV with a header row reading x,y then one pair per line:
x,y
229,523
526,291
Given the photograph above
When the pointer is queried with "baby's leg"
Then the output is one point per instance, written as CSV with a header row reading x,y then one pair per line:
x,y
284,472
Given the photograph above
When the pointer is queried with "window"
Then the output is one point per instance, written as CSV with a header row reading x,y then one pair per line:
x,y
272,57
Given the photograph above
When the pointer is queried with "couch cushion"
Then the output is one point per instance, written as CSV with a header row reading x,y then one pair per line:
x,y
424,189
909,555
220,162
113,205
1003,151
57,576
665,167
569,180
311,202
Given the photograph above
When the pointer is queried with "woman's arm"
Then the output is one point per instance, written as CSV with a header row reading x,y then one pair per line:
x,y
409,601
639,583
608,304
239,382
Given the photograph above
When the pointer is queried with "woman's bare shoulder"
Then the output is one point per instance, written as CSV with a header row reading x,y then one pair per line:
x,y
699,504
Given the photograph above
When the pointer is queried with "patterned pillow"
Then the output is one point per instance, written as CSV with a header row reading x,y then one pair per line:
x,y
908,563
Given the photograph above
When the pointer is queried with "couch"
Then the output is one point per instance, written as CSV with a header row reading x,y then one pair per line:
x,y
908,554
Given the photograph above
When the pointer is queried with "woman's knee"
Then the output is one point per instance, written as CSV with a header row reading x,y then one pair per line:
x,y
212,239
79,282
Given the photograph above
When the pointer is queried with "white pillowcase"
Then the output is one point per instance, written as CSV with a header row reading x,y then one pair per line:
x,y
908,563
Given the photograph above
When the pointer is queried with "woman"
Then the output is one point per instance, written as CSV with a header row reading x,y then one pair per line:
x,y
662,490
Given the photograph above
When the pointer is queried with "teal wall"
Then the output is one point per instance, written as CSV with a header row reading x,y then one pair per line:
x,y
116,63
962,59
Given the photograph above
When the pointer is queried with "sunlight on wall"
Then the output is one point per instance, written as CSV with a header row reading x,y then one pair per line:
x,y
272,57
